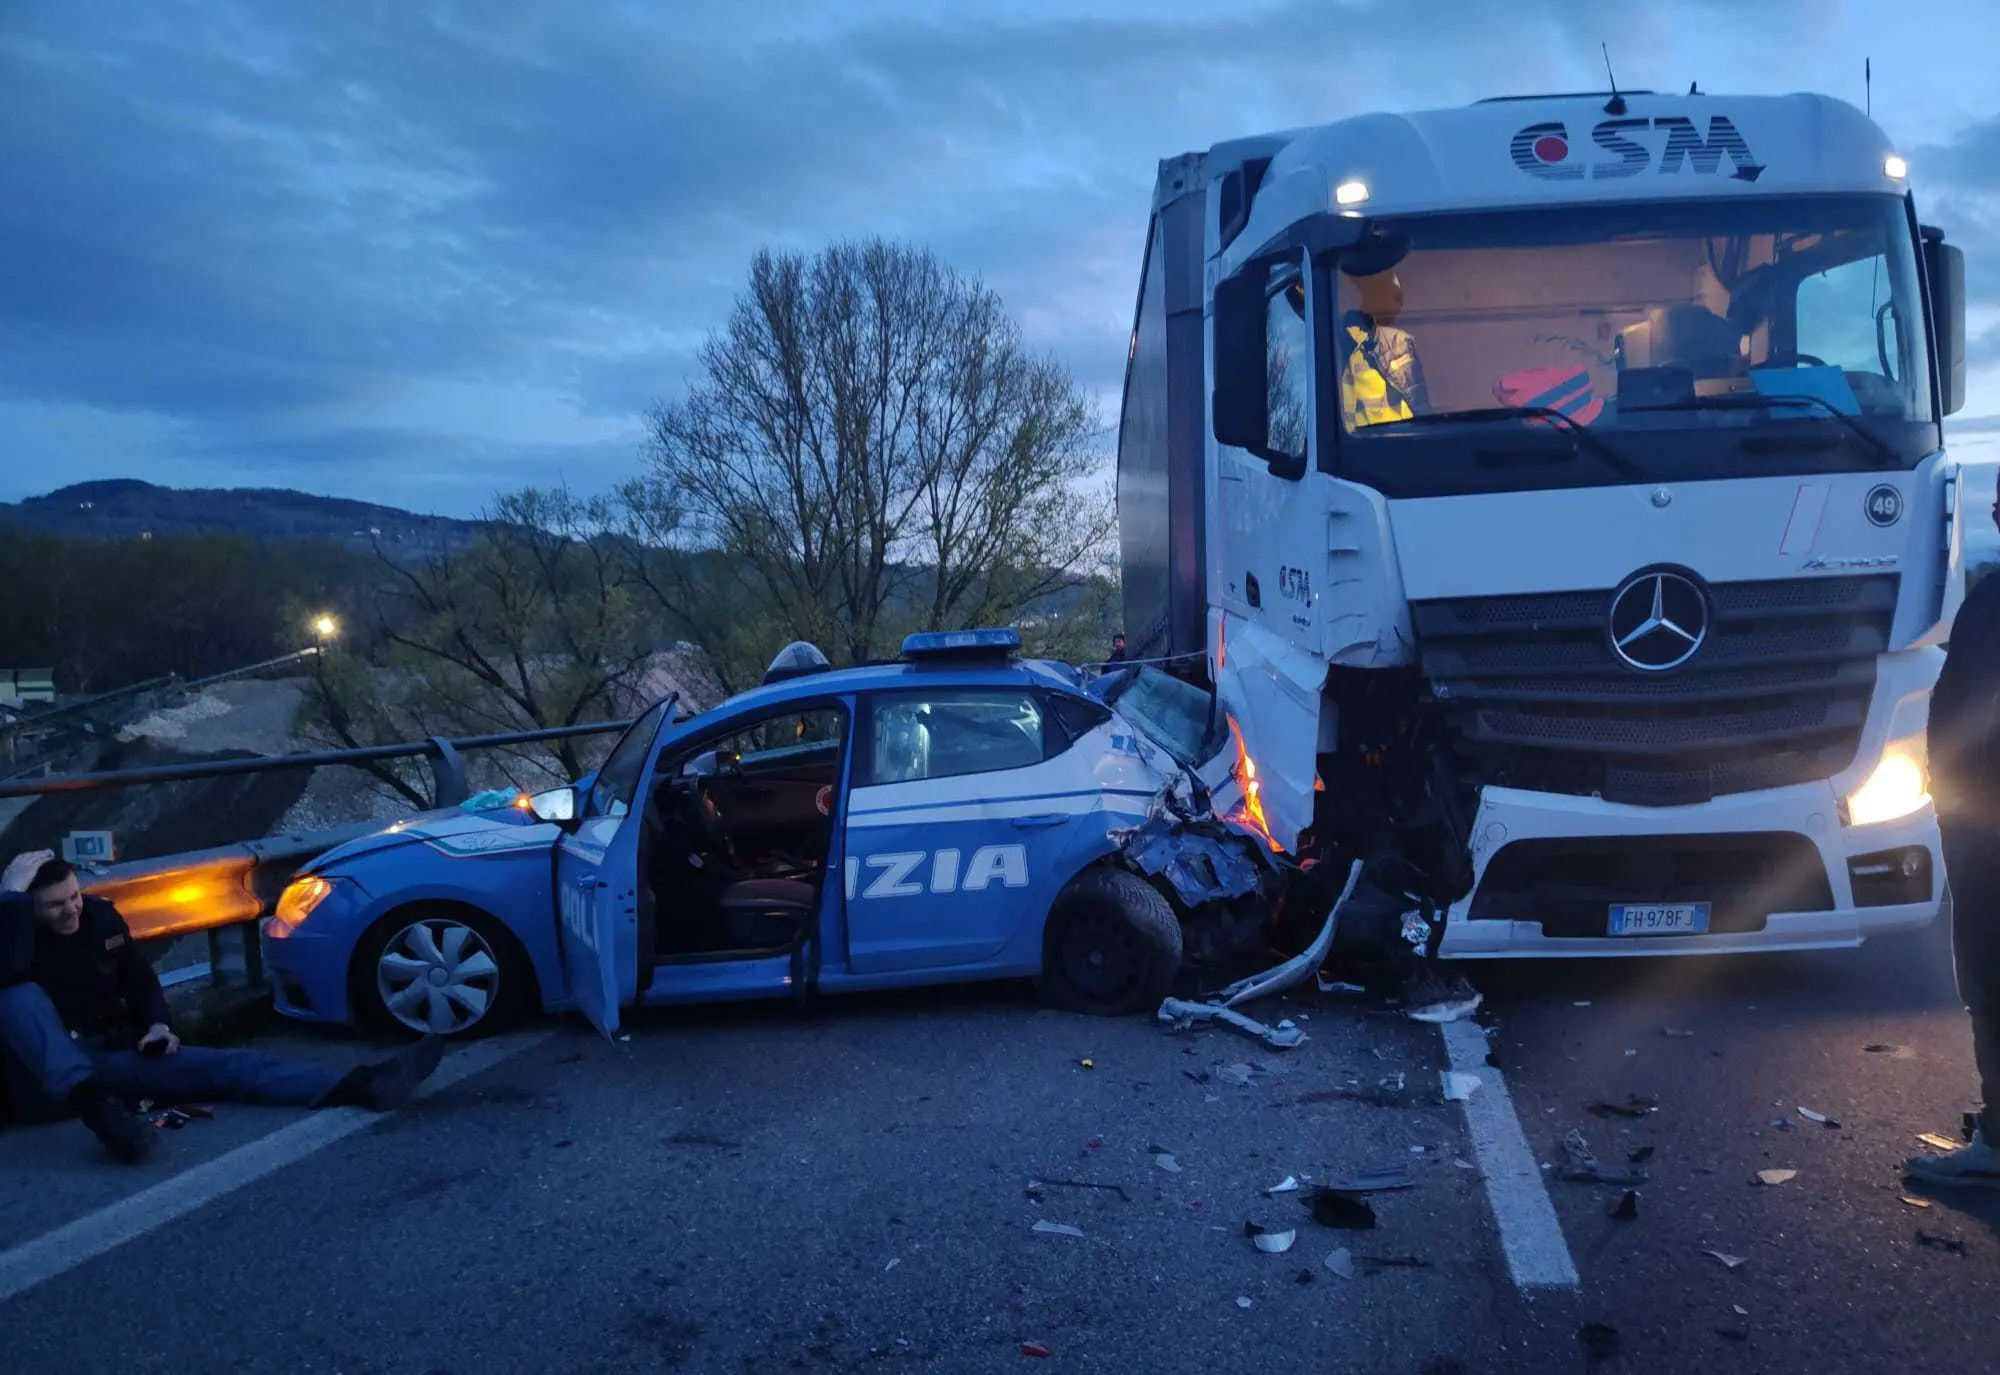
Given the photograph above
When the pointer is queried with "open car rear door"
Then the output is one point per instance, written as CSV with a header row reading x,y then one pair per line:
x,y
597,898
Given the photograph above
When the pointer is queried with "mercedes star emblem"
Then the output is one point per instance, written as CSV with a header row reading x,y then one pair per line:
x,y
1658,621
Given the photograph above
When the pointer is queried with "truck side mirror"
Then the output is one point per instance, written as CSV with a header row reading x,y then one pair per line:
x,y
1241,402
1944,267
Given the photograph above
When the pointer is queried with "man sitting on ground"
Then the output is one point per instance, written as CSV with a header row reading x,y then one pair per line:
x,y
85,1028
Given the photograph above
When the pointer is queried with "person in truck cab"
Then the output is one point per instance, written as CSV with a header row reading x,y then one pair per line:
x,y
1383,378
85,1028
1964,748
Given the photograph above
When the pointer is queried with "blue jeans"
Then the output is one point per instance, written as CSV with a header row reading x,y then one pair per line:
x,y
43,1064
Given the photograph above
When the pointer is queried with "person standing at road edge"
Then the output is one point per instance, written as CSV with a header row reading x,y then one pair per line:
x,y
1964,749
85,1028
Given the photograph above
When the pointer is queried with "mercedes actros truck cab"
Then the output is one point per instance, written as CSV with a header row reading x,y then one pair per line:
x,y
1559,483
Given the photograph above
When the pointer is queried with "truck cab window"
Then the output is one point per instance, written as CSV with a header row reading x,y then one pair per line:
x,y
1288,360
1848,318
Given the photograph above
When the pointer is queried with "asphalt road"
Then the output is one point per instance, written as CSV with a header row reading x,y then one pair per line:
x,y
748,1189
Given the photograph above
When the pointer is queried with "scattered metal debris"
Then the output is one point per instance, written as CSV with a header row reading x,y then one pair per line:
x,y
1625,1207
1036,1185
1341,1262
1635,1105
1239,1074
1286,1185
1269,1242
1728,1261
1298,968
1773,1178
1820,1118
1385,1179
1936,1142
1178,1014
1458,1086
1059,1229
1332,1208
1204,860
1914,1201
1583,1166
1327,985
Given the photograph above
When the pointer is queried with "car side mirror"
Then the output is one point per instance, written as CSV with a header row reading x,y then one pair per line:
x,y
557,805
1944,268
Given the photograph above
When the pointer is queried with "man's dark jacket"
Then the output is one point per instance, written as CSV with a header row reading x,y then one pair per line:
x,y
99,981
1964,737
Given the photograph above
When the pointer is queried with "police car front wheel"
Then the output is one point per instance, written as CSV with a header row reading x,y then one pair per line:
x,y
1112,947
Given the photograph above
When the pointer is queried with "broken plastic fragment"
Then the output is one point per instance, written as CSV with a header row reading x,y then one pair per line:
x,y
1088,1064
1818,1117
1035,1349
1916,1202
1634,1106
1178,1012
1382,1180
1773,1178
1936,1142
1327,985
1239,1075
1341,1262
894,1261
1458,1086
1675,1033
1059,1229
1242,1302
1270,1243
1167,1162
1731,1262
1739,1310
1283,1186
1295,970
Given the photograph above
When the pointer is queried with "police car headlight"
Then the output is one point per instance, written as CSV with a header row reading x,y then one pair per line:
x,y
1899,786
297,902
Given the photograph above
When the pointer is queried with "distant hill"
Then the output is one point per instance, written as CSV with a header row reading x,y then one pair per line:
x,y
126,508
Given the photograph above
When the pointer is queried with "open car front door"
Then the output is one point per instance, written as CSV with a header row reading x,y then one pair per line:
x,y
597,879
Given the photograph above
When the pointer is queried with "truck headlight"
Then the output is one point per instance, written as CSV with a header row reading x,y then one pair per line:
x,y
297,902
1899,785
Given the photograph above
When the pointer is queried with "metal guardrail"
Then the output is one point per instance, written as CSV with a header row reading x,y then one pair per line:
x,y
209,890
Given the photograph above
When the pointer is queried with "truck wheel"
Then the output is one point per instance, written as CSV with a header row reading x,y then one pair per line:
x,y
1112,945
443,969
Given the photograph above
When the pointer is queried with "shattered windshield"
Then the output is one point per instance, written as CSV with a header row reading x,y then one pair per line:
x,y
1175,715
1659,328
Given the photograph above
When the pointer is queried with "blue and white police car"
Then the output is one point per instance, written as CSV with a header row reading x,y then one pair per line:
x,y
954,816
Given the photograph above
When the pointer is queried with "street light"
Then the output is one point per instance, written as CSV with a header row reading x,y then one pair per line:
x,y
325,627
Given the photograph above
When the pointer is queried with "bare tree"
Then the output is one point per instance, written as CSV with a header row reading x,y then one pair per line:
x,y
869,449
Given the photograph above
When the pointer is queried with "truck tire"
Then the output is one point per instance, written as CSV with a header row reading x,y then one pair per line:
x,y
1111,947
489,963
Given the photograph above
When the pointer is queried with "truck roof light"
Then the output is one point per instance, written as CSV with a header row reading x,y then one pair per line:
x,y
961,644
1350,193
1895,168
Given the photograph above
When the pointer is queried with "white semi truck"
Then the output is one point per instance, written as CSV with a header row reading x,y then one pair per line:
x,y
1562,478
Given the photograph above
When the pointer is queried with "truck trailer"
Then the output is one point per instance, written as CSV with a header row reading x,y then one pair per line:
x,y
1559,483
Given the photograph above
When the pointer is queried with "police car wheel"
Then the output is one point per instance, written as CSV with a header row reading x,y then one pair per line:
x,y
442,969
1112,946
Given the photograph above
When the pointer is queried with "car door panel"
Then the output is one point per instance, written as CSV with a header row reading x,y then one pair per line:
x,y
598,926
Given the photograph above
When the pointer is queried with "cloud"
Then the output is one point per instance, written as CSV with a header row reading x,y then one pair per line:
x,y
298,239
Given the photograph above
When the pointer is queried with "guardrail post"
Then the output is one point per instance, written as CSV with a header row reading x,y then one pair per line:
x,y
448,785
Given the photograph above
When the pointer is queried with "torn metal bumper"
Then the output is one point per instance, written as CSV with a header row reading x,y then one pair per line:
x,y
1202,859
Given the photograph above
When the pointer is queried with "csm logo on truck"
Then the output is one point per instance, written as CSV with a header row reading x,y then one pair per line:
x,y
1545,150
904,874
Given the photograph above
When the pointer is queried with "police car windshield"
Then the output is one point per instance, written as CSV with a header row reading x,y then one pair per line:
x,y
1626,318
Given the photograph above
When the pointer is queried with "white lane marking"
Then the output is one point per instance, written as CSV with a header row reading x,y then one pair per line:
x,y
1531,1237
54,1253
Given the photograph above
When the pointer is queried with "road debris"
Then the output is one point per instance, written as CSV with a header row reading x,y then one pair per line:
x,y
1783,1124
1284,1186
1036,1349
1088,1064
1639,1155
1178,1014
1914,1202
1059,1229
1773,1178
1728,1261
1624,1207
894,1261
1199,1076
1242,1302
1269,1242
1583,1166
1739,1310
1458,1086
1240,1075
1635,1105
1599,1341
1203,860
1327,985
1938,1242
1894,1052
1674,1033
1165,1160
1403,1262
1582,1002
1936,1142
1332,1208
1341,1262
1820,1118
1381,1180
1303,1277
1035,1186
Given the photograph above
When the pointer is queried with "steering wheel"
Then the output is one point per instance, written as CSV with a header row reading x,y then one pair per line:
x,y
1792,360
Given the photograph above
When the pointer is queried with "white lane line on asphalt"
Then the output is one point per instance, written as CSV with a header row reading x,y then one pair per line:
x,y
55,1253
1531,1237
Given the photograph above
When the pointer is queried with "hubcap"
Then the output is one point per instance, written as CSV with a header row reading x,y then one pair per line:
x,y
437,976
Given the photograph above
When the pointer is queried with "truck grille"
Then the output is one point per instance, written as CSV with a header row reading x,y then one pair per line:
x,y
1778,693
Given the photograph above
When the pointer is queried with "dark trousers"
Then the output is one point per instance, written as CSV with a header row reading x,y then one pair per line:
x,y
1972,866
43,1064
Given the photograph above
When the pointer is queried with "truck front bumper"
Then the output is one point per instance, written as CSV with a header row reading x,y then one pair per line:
x,y
1776,870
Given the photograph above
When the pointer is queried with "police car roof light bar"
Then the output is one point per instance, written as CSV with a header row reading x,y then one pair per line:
x,y
960,644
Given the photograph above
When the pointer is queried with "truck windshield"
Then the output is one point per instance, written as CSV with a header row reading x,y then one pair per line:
x,y
1696,339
